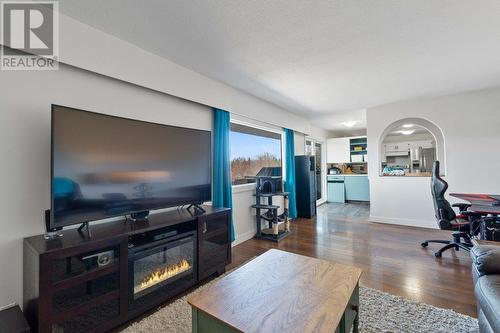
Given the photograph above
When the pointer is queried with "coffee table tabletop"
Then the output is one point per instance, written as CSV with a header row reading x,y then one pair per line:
x,y
281,292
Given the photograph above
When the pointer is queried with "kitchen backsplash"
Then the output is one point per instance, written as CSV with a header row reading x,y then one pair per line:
x,y
361,168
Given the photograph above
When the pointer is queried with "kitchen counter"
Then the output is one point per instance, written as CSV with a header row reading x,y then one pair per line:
x,y
411,174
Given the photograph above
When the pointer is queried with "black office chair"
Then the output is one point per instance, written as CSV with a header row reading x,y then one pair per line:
x,y
448,220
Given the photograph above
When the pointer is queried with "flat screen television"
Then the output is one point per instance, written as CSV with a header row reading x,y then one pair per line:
x,y
104,166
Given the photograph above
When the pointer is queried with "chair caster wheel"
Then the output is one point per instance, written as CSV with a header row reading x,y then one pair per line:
x,y
438,255
424,244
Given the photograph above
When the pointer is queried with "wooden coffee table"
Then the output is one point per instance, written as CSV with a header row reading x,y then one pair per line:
x,y
280,292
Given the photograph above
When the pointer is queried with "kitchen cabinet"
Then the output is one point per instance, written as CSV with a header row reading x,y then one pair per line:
x,y
342,188
422,143
359,149
357,188
397,149
338,150
403,148
336,190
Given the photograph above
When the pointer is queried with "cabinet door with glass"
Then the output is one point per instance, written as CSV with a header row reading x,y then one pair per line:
x,y
214,243
316,149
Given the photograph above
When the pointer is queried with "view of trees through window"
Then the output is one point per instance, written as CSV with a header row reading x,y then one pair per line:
x,y
251,150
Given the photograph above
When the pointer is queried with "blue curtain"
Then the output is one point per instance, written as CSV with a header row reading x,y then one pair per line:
x,y
221,166
290,173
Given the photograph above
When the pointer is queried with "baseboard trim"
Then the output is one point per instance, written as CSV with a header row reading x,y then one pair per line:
x,y
405,222
243,237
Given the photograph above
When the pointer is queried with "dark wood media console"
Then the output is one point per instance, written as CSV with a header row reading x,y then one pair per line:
x,y
78,283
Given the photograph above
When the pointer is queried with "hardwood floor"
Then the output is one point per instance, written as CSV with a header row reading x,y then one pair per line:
x,y
390,256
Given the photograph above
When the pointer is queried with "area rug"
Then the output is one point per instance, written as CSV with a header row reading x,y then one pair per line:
x,y
379,312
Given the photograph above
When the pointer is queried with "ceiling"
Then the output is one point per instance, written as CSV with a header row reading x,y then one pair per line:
x,y
316,58
415,130
336,122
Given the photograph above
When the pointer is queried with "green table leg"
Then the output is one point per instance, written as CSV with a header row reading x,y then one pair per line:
x,y
203,323
195,320
355,324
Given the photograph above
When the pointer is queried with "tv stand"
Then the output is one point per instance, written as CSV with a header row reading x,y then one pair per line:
x,y
81,284
197,206
87,228
140,216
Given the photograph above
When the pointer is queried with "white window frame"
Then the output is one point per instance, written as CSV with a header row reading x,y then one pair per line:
x,y
324,187
267,129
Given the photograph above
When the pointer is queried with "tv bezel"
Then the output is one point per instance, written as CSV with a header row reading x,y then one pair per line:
x,y
52,222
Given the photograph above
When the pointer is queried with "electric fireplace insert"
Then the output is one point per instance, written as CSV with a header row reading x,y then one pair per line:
x,y
161,266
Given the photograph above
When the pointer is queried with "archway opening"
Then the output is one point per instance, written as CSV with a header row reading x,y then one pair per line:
x,y
408,148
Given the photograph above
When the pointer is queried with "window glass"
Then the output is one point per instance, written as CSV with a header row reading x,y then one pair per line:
x,y
251,150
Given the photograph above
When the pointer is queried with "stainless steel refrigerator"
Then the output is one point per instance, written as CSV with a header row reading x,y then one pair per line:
x,y
421,159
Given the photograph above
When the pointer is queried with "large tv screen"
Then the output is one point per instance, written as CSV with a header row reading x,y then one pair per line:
x,y
105,166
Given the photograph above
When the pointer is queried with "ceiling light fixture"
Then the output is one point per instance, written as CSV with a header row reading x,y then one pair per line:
x,y
408,125
349,123
407,132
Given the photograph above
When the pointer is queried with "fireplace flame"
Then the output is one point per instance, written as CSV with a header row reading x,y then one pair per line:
x,y
162,274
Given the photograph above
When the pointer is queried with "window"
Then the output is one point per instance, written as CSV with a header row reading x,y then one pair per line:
x,y
252,149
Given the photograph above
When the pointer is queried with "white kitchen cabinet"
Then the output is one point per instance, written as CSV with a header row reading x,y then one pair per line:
x,y
338,150
397,148
422,143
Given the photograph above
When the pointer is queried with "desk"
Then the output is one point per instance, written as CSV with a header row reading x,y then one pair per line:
x,y
484,204
481,203
494,210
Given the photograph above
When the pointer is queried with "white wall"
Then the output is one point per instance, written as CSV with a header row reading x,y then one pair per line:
x,y
470,123
25,145
88,48
25,148
25,123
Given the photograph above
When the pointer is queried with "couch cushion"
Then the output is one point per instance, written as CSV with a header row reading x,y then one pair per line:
x,y
487,292
484,326
486,259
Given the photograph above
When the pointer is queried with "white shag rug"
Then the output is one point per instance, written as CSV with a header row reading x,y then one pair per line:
x,y
379,312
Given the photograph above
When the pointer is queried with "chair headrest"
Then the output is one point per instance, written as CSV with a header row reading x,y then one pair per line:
x,y
435,169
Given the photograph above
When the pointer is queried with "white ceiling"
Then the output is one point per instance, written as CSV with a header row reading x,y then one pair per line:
x,y
417,131
316,57
335,122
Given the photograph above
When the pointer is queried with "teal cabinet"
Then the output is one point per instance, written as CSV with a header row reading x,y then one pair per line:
x,y
357,188
336,190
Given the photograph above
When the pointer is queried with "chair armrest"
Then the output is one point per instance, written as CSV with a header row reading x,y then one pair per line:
x,y
486,258
462,207
473,214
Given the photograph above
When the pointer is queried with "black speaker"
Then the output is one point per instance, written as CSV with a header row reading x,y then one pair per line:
x,y
47,222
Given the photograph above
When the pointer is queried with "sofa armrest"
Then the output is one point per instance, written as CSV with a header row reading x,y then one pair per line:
x,y
486,259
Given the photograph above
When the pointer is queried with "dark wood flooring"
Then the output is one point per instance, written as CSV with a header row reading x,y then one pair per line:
x,y
390,256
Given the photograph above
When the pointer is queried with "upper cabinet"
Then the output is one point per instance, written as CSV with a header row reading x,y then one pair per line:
x,y
358,149
397,149
338,150
346,150
403,148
